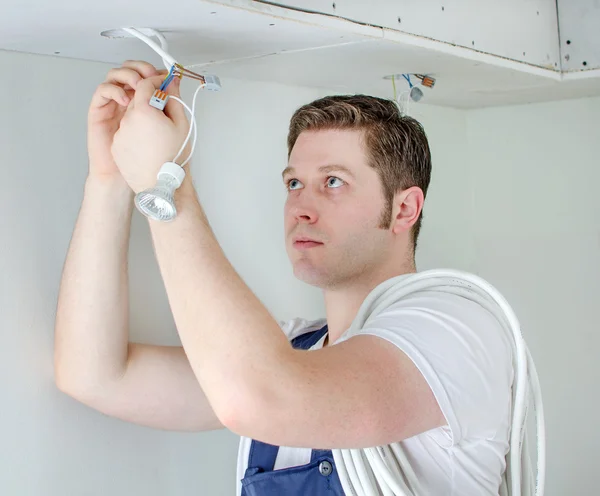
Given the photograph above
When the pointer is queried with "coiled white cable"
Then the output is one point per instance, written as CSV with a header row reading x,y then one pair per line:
x,y
387,471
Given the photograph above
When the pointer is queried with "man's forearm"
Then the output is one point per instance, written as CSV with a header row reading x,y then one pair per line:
x,y
91,332
231,339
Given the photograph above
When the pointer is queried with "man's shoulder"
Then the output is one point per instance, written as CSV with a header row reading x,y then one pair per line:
x,y
297,326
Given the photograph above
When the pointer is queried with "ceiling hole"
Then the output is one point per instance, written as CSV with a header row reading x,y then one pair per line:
x,y
399,20
473,43
538,12
271,24
568,42
56,53
523,53
442,7
333,5
212,13
584,62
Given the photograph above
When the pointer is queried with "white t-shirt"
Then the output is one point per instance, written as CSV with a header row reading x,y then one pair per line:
x,y
466,359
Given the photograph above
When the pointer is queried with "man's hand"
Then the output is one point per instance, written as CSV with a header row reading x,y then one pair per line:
x,y
148,137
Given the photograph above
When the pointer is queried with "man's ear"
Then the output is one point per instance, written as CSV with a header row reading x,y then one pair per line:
x,y
406,209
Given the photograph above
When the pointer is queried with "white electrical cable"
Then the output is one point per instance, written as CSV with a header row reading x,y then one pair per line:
x,y
165,47
168,59
515,482
406,108
193,126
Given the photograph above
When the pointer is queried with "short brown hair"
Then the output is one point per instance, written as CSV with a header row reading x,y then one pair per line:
x,y
397,146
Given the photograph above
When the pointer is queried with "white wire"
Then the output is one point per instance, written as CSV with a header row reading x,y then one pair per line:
x,y
540,426
406,467
168,59
165,47
343,460
364,471
391,461
397,485
406,108
193,126
514,482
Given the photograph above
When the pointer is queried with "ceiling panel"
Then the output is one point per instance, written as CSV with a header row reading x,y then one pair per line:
x,y
579,34
248,40
513,29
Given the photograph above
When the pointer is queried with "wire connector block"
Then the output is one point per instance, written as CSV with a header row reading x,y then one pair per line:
x,y
213,83
159,100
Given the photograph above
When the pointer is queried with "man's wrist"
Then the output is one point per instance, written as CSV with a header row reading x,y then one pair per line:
x,y
187,191
107,184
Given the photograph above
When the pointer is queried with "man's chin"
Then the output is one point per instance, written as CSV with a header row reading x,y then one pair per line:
x,y
309,275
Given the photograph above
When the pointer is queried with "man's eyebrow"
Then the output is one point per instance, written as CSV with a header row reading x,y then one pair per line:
x,y
325,168
287,170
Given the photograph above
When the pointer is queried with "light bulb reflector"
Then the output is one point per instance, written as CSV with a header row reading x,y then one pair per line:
x,y
157,203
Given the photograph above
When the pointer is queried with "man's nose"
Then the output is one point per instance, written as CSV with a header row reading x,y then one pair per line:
x,y
304,211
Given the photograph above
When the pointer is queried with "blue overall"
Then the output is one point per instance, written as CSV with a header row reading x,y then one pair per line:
x,y
317,478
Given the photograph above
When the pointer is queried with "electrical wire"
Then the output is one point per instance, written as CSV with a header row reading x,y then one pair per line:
x,y
167,81
193,127
168,60
184,71
404,108
514,481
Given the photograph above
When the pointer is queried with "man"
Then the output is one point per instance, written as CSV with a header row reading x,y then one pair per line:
x,y
433,371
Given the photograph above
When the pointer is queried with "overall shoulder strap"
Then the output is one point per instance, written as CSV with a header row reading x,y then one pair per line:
x,y
305,341
262,455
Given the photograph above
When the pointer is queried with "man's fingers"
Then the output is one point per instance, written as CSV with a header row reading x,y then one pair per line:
x,y
107,92
132,72
146,88
128,78
145,69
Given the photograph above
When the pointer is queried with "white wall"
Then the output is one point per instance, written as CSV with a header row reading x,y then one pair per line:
x,y
536,225
52,445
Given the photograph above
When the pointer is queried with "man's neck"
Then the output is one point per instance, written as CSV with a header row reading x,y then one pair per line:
x,y
343,305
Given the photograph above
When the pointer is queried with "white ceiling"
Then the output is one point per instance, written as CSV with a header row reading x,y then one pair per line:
x,y
250,40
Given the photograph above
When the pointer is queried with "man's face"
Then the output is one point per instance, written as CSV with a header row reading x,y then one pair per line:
x,y
335,199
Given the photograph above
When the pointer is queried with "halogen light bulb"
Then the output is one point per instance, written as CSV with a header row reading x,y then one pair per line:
x,y
158,203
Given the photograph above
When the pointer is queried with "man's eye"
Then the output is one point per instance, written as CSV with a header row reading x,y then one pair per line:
x,y
292,183
329,180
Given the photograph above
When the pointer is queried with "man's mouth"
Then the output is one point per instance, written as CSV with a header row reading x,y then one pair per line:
x,y
303,243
